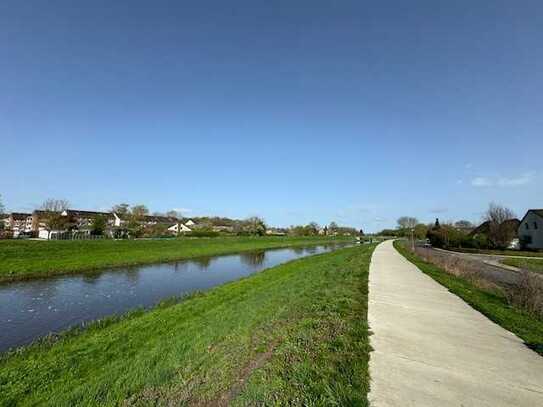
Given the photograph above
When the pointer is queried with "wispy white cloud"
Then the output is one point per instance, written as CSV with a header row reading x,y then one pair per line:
x,y
504,182
439,210
481,182
523,179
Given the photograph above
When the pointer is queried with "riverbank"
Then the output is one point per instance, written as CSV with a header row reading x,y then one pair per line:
x,y
29,259
490,302
296,333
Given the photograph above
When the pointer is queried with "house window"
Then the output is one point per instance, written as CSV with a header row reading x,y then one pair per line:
x,y
527,226
535,225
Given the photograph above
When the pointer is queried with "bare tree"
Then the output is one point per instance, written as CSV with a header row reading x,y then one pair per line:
x,y
500,230
139,212
2,207
407,222
52,215
174,214
122,209
55,205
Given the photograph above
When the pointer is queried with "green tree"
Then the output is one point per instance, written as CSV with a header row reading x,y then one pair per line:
x,y
254,226
98,226
421,231
136,217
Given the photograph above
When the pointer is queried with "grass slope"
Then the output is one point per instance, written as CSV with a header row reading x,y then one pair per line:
x,y
529,264
295,334
492,304
29,259
512,253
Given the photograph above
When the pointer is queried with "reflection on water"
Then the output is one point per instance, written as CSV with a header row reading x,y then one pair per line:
x,y
255,258
32,309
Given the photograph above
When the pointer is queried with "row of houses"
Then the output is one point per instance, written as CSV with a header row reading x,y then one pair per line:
x,y
81,221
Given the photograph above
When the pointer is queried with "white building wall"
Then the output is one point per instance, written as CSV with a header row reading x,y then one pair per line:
x,y
532,225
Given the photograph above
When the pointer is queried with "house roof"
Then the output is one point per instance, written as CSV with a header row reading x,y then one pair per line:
x,y
40,212
20,215
538,212
87,214
482,228
511,222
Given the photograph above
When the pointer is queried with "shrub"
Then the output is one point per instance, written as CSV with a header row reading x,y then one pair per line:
x,y
527,294
202,233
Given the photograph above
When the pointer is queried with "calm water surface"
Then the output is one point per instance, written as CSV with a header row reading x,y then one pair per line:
x,y
32,309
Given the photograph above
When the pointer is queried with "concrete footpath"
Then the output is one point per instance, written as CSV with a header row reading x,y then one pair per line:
x,y
432,349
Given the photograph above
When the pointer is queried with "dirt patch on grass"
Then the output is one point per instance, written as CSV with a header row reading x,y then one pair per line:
x,y
235,390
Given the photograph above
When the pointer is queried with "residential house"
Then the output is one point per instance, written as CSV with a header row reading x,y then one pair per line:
x,y
276,231
19,223
179,228
530,229
82,221
39,224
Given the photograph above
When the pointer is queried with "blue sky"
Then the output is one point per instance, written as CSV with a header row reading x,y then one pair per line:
x,y
352,111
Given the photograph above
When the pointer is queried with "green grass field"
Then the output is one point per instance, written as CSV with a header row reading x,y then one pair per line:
x,y
492,304
29,259
295,334
528,264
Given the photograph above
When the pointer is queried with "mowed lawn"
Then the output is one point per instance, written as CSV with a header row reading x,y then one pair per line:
x,y
31,258
528,264
295,334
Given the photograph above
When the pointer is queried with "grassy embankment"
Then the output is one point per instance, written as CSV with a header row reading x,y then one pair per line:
x,y
528,264
29,259
490,303
295,334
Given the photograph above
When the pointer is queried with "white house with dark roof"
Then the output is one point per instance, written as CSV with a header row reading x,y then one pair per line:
x,y
530,230
179,228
